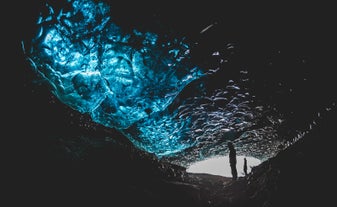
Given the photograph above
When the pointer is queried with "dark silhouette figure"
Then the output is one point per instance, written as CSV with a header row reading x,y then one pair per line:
x,y
232,160
245,166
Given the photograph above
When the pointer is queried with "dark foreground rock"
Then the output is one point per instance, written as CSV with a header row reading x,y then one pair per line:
x,y
78,171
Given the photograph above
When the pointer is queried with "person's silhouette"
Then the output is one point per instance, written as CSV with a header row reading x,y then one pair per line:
x,y
232,160
245,166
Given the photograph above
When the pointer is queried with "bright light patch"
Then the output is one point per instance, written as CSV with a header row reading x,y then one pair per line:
x,y
220,166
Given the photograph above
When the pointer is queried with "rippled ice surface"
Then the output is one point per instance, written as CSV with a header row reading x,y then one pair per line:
x,y
146,86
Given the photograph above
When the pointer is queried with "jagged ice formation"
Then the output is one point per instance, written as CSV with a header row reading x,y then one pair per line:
x,y
129,80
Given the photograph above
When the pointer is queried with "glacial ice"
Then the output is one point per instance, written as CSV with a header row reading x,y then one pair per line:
x,y
130,80
95,67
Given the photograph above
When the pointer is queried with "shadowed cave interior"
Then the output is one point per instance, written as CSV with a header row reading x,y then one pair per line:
x,y
256,78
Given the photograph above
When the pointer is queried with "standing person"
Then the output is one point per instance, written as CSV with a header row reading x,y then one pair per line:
x,y
245,166
232,160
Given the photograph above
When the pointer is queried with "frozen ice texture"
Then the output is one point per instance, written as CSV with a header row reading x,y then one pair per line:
x,y
97,68
132,80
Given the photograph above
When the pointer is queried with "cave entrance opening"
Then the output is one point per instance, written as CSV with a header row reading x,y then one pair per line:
x,y
219,165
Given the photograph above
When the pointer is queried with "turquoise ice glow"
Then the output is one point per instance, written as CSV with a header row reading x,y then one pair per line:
x,y
133,80
119,78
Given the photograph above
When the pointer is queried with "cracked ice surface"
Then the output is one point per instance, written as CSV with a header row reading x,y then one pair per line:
x,y
95,67
131,81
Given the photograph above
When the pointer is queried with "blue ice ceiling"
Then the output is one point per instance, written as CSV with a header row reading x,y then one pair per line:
x,y
130,80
